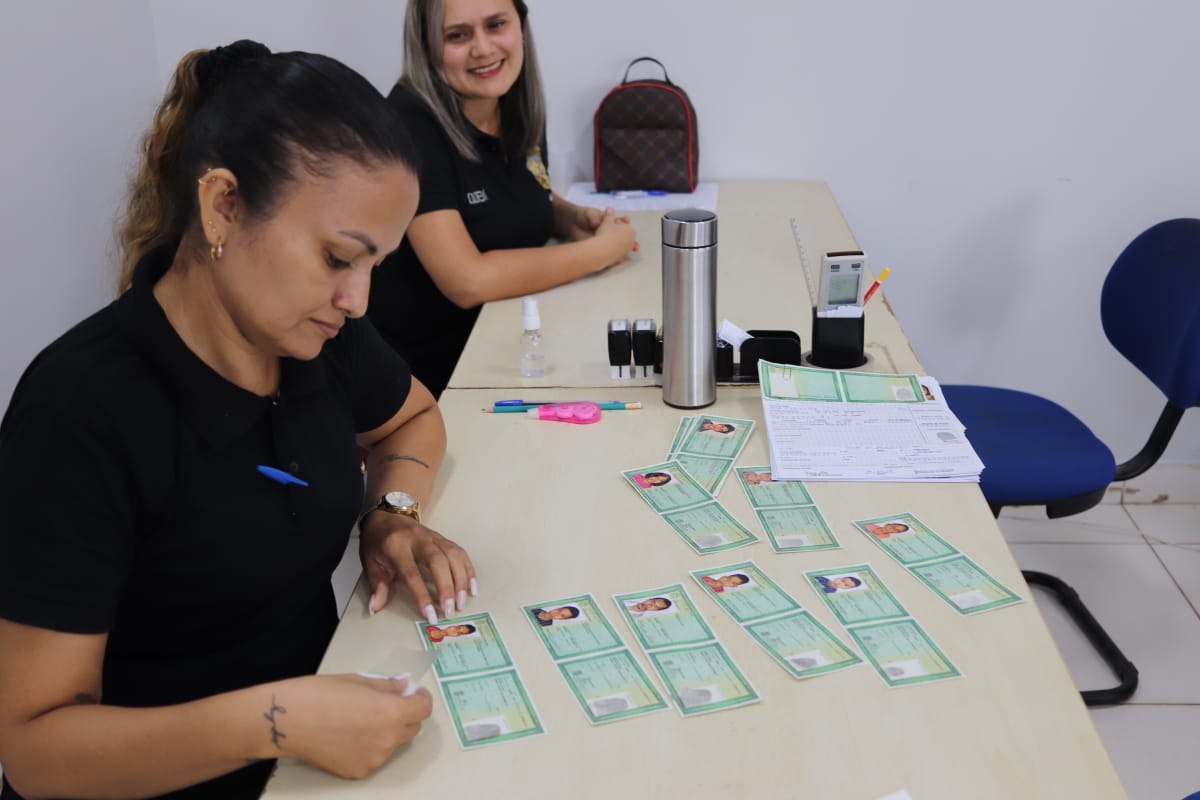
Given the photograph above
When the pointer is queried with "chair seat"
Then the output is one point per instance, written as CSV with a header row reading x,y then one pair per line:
x,y
1034,451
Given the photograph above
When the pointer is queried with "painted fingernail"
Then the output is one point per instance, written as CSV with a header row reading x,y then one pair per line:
x,y
430,614
473,585
462,601
448,607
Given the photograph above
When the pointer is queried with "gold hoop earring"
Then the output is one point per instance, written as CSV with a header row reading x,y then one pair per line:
x,y
217,250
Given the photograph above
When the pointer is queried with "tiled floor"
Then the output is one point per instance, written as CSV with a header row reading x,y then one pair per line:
x,y
1137,568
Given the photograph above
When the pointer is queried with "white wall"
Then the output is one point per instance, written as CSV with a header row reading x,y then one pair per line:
x,y
77,83
997,155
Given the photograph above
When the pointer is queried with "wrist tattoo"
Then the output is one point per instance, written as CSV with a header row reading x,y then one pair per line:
x,y
276,734
405,458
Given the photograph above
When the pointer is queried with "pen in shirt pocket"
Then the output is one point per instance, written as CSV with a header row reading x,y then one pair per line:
x,y
279,476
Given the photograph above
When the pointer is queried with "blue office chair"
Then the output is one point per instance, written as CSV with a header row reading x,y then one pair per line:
x,y
1035,452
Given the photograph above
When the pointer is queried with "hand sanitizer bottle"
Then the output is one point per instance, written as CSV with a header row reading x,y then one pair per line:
x,y
533,357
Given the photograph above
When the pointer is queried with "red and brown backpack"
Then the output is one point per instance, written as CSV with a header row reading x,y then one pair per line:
x,y
646,136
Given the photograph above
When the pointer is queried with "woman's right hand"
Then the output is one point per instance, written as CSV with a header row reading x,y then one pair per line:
x,y
618,236
349,725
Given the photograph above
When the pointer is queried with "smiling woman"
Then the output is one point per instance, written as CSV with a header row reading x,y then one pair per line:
x,y
471,93
160,631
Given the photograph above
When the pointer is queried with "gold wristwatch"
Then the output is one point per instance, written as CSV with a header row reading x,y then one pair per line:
x,y
401,503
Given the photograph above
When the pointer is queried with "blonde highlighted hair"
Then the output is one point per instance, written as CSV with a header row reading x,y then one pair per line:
x,y
152,203
522,108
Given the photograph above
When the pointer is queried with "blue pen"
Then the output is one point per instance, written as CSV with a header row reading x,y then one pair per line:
x,y
615,405
279,476
635,193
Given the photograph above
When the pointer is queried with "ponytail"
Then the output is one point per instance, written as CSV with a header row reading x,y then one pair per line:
x,y
263,116
152,205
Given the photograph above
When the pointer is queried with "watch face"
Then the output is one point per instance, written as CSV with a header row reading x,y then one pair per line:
x,y
400,499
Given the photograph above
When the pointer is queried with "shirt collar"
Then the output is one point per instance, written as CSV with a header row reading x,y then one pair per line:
x,y
219,410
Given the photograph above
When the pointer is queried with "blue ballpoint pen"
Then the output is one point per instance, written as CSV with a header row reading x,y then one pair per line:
x,y
527,404
279,476
630,194
511,409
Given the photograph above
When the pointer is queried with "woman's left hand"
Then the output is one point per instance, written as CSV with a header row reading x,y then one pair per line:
x,y
395,547
586,221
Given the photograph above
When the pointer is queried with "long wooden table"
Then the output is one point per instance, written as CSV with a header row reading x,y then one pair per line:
x,y
545,514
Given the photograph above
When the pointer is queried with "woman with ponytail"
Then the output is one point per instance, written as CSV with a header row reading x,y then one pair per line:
x,y
180,472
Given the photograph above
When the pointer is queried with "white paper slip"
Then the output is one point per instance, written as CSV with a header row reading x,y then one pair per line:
x,y
584,194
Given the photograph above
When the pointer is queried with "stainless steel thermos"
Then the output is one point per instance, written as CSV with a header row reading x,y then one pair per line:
x,y
689,291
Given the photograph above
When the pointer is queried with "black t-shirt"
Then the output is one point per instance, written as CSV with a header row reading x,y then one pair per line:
x,y
505,203
131,505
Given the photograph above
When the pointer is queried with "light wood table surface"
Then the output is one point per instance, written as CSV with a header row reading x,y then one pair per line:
x,y
545,514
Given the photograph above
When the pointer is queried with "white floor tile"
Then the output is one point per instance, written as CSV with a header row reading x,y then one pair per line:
x,y
1168,522
1183,562
346,575
1154,748
1164,483
1103,524
1136,600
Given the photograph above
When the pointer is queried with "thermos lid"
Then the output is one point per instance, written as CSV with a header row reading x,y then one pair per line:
x,y
689,227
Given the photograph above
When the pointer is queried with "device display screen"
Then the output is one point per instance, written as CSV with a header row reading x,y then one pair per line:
x,y
843,289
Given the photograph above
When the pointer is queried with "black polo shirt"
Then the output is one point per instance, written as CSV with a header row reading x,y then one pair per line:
x,y
505,202
132,505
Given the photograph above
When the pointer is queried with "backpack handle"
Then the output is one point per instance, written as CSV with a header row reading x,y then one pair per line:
x,y
646,58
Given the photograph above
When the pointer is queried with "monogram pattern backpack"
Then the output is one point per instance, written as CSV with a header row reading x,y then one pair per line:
x,y
646,136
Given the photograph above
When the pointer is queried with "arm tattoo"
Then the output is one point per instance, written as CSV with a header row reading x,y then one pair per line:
x,y
276,734
83,698
405,458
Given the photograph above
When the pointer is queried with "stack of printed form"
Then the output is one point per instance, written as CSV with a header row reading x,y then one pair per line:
x,y
829,425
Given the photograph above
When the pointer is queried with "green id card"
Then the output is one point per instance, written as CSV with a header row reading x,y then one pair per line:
x,y
611,686
802,645
855,594
965,585
702,678
905,538
572,627
664,617
902,653
709,435
709,471
786,382
796,529
667,486
763,491
487,709
709,528
465,645
744,591
875,387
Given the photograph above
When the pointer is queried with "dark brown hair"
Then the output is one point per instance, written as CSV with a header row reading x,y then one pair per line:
x,y
261,115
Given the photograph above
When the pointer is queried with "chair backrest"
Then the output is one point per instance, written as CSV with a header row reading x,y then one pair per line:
x,y
1150,307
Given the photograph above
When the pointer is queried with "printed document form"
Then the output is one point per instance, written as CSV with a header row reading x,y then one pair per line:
x,y
830,425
